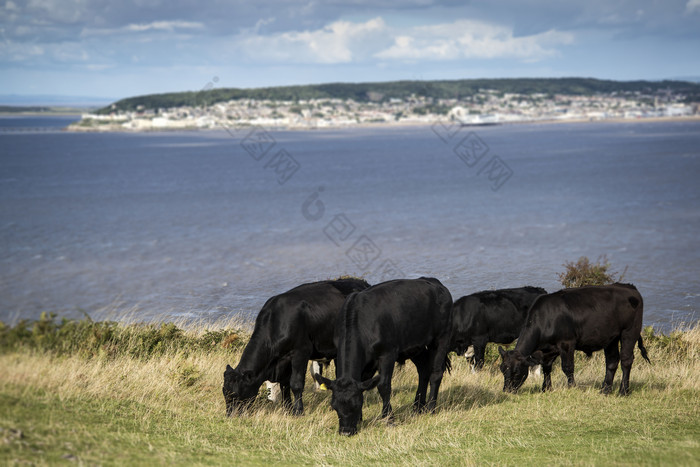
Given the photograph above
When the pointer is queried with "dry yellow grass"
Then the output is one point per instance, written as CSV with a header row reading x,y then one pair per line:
x,y
169,410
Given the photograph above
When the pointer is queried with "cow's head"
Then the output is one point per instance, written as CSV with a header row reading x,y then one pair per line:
x,y
515,368
239,390
346,399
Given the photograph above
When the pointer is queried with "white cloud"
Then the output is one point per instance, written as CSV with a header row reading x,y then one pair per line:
x,y
18,52
263,22
161,26
58,11
473,39
692,6
345,42
99,67
339,42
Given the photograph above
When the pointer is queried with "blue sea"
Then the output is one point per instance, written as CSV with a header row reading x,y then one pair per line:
x,y
199,225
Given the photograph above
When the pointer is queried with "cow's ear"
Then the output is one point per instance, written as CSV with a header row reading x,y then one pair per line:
x,y
228,368
502,351
536,358
370,383
324,381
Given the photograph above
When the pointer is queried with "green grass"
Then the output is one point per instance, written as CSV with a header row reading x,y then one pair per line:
x,y
129,406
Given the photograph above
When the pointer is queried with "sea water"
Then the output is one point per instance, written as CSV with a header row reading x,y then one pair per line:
x,y
204,224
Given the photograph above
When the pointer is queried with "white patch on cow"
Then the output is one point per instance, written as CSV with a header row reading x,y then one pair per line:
x,y
316,370
274,392
535,371
470,354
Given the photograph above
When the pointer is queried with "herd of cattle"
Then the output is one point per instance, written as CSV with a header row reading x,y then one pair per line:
x,y
366,329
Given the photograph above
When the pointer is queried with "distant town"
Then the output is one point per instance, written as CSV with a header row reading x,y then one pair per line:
x,y
481,106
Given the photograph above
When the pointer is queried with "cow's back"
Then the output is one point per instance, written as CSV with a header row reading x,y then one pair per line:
x,y
522,297
406,314
507,311
306,312
502,318
401,315
493,315
592,316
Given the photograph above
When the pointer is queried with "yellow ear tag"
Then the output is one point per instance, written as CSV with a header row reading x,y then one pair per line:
x,y
323,387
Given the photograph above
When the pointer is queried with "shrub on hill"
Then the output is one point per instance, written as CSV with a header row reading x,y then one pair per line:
x,y
584,272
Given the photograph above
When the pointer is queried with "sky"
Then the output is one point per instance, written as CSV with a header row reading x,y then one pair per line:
x,y
115,49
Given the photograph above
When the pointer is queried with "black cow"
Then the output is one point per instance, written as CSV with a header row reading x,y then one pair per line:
x,y
291,329
589,318
490,316
395,321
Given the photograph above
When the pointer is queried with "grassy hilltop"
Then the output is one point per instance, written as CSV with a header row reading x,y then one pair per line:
x,y
103,393
383,91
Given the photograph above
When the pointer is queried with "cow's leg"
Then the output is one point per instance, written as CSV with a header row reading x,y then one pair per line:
x,y
567,362
612,359
422,363
479,352
547,373
300,360
386,371
286,396
438,358
627,343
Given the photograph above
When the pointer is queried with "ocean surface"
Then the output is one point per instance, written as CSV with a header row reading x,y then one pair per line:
x,y
190,225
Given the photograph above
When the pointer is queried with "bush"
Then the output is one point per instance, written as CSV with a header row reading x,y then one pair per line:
x,y
681,344
187,375
109,339
583,272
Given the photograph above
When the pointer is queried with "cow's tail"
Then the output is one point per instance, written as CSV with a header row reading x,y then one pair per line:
x,y
448,364
643,350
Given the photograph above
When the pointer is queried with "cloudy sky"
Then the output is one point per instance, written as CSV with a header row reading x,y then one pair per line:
x,y
117,49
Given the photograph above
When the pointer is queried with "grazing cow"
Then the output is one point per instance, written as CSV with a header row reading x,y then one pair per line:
x,y
291,329
395,321
589,318
490,316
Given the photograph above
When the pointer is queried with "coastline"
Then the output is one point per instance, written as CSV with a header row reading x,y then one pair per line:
x,y
119,128
47,113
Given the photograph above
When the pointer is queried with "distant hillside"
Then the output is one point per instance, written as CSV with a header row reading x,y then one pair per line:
x,y
52,100
22,109
363,92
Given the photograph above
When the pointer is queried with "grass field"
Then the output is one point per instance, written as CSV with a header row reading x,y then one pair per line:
x,y
113,394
